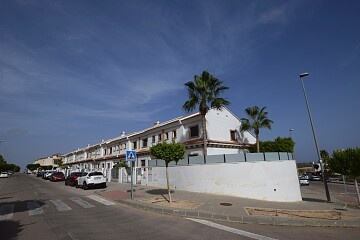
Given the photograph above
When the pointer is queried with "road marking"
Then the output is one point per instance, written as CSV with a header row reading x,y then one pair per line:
x,y
60,205
72,236
6,211
34,208
81,202
101,200
232,230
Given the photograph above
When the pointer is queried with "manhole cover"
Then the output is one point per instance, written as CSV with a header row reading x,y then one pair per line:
x,y
225,204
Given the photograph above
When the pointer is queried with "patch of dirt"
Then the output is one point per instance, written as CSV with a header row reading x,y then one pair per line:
x,y
160,201
319,214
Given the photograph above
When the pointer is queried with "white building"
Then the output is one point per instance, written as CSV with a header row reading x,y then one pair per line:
x,y
228,169
49,161
223,137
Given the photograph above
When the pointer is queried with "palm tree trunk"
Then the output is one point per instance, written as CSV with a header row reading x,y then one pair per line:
x,y
257,143
204,134
168,184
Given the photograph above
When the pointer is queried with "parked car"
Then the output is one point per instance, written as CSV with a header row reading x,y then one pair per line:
x,y
4,175
316,178
71,180
304,182
47,174
91,179
57,176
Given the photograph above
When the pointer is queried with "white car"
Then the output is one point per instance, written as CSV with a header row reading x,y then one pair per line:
x,y
91,179
304,181
4,175
47,174
316,178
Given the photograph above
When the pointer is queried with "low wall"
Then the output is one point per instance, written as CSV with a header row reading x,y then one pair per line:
x,y
262,180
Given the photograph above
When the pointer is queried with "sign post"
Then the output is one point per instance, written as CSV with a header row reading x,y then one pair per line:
x,y
131,158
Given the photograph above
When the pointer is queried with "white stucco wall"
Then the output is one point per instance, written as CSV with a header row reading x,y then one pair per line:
x,y
262,180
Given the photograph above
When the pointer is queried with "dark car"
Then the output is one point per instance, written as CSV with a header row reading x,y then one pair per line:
x,y
71,180
57,176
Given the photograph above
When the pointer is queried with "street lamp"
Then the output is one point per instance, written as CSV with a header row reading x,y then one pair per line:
x,y
302,75
0,144
291,130
293,153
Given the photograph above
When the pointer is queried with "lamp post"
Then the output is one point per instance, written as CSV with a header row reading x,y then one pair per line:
x,y
302,75
293,153
0,148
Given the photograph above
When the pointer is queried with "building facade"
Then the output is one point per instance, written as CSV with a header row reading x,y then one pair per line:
x,y
49,161
223,137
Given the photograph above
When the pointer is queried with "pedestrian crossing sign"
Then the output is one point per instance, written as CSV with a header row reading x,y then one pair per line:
x,y
130,155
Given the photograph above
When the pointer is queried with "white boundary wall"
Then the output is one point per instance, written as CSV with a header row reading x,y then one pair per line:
x,y
262,180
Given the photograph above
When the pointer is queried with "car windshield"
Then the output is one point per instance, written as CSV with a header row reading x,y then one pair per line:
x,y
95,174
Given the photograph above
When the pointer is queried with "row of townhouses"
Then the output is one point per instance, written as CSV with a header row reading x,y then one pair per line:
x,y
223,137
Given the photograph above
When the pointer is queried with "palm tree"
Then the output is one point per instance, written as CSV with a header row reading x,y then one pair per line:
x,y
257,119
204,93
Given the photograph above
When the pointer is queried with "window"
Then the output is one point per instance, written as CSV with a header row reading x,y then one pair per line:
x,y
174,134
159,137
134,145
194,131
153,139
144,142
166,136
232,135
143,163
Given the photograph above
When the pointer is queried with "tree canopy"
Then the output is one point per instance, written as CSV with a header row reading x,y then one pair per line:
x,y
4,166
346,162
278,145
257,119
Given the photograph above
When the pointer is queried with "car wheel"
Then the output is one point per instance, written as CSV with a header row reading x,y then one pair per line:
x,y
66,183
85,186
104,185
76,185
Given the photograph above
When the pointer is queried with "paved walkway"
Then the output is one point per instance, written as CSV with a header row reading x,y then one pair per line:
x,y
312,211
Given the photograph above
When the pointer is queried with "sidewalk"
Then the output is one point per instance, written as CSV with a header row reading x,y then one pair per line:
x,y
312,211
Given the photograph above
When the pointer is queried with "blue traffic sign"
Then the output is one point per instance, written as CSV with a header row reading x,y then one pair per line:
x,y
130,155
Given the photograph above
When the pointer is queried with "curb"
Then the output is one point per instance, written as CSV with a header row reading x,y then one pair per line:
x,y
275,221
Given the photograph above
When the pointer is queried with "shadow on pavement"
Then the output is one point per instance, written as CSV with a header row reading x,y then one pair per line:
x,y
313,200
159,191
13,228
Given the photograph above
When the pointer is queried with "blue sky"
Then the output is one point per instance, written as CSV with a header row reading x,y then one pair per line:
x,y
75,72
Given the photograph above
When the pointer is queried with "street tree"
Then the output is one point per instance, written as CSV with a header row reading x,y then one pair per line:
x,y
32,166
204,93
347,162
325,159
278,145
168,152
257,118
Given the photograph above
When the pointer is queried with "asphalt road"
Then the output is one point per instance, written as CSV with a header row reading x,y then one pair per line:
x,y
34,208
